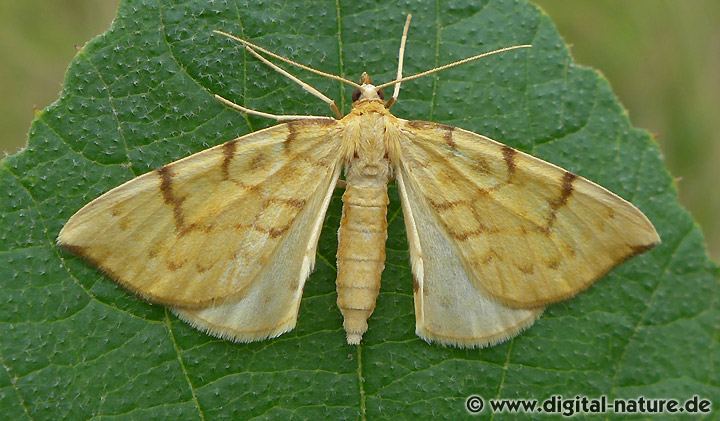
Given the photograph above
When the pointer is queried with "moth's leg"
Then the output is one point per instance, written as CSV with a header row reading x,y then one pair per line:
x,y
287,60
341,184
401,55
302,84
252,47
268,115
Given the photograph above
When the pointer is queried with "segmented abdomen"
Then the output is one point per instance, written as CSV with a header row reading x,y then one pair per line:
x,y
361,255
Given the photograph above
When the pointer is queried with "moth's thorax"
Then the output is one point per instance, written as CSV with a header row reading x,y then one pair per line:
x,y
365,142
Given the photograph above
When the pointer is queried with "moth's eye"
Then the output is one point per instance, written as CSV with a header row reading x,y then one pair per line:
x,y
381,94
356,95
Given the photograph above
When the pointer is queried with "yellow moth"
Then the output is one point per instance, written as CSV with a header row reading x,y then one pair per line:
x,y
227,237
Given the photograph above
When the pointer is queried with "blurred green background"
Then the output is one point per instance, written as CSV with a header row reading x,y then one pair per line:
x,y
662,58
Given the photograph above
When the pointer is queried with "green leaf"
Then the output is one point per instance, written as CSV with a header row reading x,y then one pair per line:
x,y
74,345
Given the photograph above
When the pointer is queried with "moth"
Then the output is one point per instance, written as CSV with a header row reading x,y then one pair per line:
x,y
227,237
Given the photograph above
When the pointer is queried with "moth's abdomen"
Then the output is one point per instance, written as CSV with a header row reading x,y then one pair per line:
x,y
361,255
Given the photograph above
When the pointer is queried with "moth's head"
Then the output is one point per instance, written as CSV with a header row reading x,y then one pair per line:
x,y
367,90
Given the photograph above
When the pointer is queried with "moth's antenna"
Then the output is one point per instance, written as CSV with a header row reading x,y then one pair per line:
x,y
302,84
453,64
401,54
287,60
